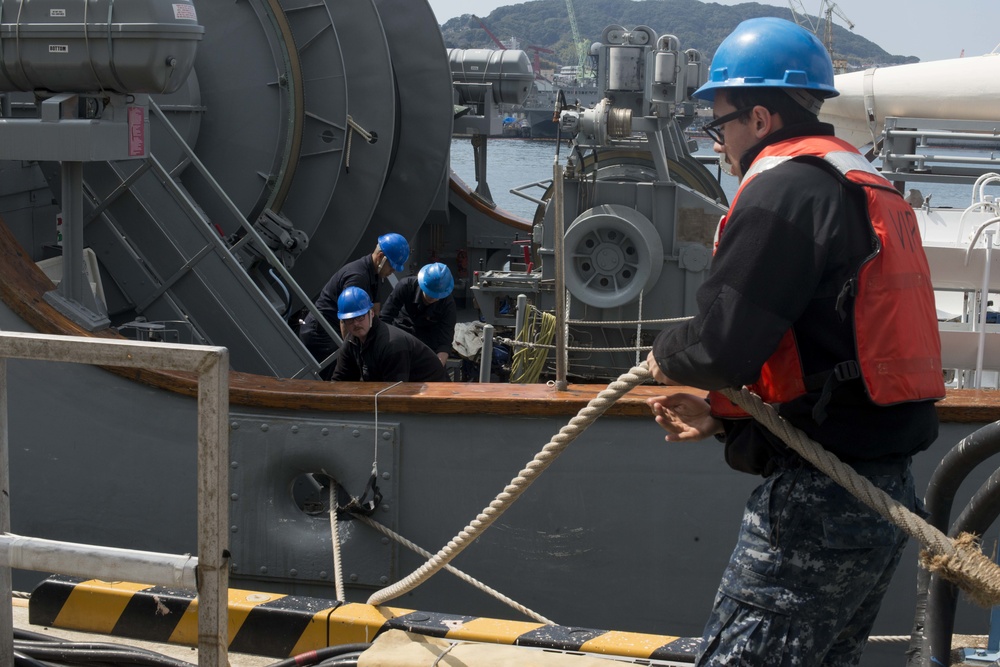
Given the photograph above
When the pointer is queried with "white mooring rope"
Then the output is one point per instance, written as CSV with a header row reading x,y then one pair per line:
x,y
959,560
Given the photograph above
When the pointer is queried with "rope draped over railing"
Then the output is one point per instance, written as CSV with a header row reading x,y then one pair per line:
x,y
959,560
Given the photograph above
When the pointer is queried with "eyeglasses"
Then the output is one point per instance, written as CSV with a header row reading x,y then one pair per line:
x,y
715,130
352,320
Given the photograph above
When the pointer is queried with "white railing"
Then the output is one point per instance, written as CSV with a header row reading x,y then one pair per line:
x,y
209,573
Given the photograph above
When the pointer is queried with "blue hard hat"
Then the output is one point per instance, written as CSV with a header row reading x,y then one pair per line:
x,y
352,302
435,280
770,52
396,250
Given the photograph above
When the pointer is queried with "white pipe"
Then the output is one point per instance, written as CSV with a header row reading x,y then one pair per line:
x,y
97,562
486,355
960,88
983,301
521,313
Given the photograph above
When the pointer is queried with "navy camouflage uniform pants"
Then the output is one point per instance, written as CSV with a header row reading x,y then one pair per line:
x,y
809,572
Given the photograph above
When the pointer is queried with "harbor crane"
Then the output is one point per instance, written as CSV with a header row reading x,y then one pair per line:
x,y
500,45
799,15
826,10
582,48
536,63
831,9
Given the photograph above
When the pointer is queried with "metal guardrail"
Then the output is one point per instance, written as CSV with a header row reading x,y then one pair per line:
x,y
924,149
251,234
209,573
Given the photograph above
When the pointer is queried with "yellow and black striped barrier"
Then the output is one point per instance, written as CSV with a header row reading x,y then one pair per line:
x,y
280,626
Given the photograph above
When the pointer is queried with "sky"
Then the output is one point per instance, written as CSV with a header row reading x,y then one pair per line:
x,y
928,29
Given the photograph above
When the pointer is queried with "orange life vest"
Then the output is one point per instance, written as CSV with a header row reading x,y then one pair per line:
x,y
895,319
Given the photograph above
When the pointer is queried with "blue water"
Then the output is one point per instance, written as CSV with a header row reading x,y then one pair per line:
x,y
512,163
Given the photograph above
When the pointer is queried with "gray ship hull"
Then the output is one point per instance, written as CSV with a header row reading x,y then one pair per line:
x,y
538,109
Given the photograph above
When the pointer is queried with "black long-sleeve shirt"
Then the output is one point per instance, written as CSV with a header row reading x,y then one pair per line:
x,y
388,354
796,235
358,273
432,323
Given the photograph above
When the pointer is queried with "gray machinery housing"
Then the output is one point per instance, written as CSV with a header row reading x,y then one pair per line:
x,y
287,146
640,212
284,153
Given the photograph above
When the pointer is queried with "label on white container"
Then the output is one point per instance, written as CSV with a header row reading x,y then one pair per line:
x,y
136,132
185,11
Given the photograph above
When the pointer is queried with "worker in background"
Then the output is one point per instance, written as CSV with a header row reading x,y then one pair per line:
x,y
423,306
378,352
819,298
366,273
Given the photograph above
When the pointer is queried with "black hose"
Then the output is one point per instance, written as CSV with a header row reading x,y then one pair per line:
x,y
934,618
31,648
94,646
942,598
21,660
317,657
284,288
102,646
32,652
84,654
27,635
343,661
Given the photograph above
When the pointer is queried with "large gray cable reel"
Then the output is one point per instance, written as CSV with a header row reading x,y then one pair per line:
x,y
613,253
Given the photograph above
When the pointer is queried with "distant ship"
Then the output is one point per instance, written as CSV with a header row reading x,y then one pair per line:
x,y
538,108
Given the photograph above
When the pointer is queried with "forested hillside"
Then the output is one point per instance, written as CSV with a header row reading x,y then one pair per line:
x,y
698,25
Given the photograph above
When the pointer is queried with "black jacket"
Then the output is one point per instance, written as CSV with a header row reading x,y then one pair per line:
x,y
388,355
796,235
359,273
432,323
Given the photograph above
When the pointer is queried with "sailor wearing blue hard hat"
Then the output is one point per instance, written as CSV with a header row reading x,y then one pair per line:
x,y
819,298
772,61
378,352
390,254
423,306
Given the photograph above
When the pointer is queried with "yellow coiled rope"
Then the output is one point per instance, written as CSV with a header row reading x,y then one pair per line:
x,y
529,362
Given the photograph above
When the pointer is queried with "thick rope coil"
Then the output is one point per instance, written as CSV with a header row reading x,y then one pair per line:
x,y
594,409
528,363
959,561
